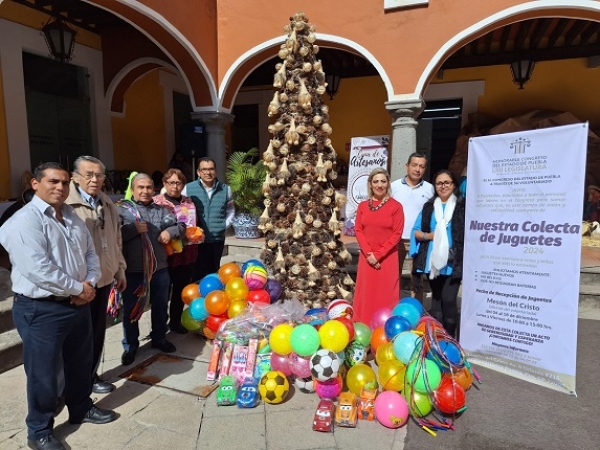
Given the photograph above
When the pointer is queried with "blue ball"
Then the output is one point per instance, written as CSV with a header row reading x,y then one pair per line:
x,y
409,312
413,301
394,326
405,346
251,262
210,283
198,309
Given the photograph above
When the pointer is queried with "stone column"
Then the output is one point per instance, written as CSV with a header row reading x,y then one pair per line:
x,y
215,123
404,132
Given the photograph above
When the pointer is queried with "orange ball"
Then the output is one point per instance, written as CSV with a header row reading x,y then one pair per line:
x,y
210,334
463,377
378,338
229,271
216,302
190,293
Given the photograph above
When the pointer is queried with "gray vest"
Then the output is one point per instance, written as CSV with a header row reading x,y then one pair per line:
x,y
212,213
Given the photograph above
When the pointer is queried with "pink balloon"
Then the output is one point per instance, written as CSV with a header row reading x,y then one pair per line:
x,y
281,363
299,366
391,409
380,317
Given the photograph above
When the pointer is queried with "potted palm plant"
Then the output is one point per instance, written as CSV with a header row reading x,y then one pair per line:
x,y
245,178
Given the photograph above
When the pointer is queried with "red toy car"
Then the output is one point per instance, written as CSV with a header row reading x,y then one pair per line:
x,y
324,416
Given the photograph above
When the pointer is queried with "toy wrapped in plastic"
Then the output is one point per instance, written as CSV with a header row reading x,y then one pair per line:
x,y
248,396
227,391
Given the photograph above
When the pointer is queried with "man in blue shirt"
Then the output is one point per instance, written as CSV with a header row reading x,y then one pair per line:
x,y
54,271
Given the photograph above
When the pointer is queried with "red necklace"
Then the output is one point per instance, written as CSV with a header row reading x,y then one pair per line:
x,y
375,208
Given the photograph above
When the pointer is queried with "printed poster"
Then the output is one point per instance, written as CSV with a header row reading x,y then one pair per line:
x,y
523,253
366,153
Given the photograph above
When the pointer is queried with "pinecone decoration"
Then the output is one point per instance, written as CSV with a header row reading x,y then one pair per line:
x,y
301,220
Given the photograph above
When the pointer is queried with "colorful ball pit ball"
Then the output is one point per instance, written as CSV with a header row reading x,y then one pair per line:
x,y
355,353
404,346
358,376
340,308
210,283
391,375
413,301
189,323
236,289
349,326
258,296
229,271
280,339
384,353
419,404
391,409
197,309
380,317
378,338
423,376
395,325
445,354
255,277
329,389
214,322
462,377
250,263
409,312
299,365
362,333
281,363
305,340
334,336
216,302
236,308
190,293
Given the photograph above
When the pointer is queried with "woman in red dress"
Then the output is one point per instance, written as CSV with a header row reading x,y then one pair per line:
x,y
379,225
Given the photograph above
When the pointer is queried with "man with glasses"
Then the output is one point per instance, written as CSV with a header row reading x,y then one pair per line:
x,y
215,210
412,191
102,219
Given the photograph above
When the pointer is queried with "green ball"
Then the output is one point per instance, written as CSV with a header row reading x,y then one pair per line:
x,y
305,340
189,323
419,403
424,376
362,334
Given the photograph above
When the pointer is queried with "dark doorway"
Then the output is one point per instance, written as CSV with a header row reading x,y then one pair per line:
x,y
58,110
244,130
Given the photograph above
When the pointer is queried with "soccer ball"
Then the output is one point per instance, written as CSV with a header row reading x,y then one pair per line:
x,y
324,365
274,387
306,385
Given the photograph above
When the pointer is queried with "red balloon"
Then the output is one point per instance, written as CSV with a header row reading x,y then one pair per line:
x,y
349,324
258,296
213,322
449,397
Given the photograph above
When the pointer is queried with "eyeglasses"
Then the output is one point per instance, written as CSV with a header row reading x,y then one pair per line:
x,y
89,175
174,183
443,183
211,169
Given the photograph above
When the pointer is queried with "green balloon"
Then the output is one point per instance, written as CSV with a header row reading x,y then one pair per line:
x,y
189,323
305,340
424,376
419,403
362,333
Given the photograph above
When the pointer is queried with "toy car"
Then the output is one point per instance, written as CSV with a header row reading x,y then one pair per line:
x,y
366,406
248,396
323,420
227,391
346,411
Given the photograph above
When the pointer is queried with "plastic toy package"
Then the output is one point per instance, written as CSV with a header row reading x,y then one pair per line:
x,y
248,396
258,320
227,391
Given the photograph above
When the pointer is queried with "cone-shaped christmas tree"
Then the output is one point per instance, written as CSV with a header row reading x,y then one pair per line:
x,y
301,220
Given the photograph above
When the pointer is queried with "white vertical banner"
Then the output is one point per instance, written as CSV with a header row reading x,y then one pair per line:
x,y
523,253
366,153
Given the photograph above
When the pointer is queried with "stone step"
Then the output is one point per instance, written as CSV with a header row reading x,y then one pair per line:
x,y
11,350
589,296
6,321
589,276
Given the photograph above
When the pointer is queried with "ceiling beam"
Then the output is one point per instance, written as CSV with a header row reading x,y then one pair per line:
x,y
557,32
589,33
540,32
575,31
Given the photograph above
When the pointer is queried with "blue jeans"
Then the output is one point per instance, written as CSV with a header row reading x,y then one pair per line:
x,y
159,299
53,331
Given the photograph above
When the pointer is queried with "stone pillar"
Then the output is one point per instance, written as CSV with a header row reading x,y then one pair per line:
x,y
404,132
215,123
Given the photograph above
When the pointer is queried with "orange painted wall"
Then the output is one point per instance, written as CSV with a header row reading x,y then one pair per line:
x,y
4,158
567,85
139,136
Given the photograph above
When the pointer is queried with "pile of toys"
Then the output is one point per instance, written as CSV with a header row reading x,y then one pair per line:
x,y
419,370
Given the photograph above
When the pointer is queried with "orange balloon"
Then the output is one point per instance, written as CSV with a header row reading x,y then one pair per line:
x,y
378,338
236,289
210,334
236,308
229,271
463,377
216,302
190,293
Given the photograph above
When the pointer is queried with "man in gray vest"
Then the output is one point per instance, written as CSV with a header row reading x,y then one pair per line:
x,y
215,209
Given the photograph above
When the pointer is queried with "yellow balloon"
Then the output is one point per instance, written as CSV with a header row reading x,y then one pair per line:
x,y
391,375
334,336
358,376
236,289
280,339
236,308
385,352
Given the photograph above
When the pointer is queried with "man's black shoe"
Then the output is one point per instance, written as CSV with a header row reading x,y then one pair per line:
x,y
46,443
164,346
128,358
96,416
179,329
102,387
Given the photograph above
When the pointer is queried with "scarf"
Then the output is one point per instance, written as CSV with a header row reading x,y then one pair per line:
x,y
443,216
